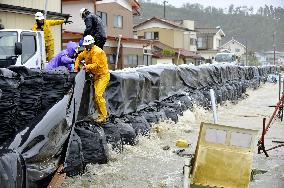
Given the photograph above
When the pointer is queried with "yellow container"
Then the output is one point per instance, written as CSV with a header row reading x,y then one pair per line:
x,y
223,157
181,143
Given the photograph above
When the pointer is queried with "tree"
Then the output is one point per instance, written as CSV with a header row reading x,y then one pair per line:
x,y
231,9
260,11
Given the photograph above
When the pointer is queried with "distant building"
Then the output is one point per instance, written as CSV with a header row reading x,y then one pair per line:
x,y
270,57
15,14
261,57
209,42
235,47
177,36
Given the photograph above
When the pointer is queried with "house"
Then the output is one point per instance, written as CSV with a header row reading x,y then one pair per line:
x,y
117,16
235,47
261,57
209,42
16,14
178,36
270,57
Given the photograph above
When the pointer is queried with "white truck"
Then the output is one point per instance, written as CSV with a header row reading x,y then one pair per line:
x,y
22,48
225,57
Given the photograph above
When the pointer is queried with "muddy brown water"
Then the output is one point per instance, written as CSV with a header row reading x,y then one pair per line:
x,y
147,165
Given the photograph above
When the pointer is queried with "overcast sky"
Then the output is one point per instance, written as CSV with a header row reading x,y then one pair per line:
x,y
225,3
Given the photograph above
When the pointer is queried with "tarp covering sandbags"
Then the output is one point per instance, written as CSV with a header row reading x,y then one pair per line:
x,y
133,90
39,142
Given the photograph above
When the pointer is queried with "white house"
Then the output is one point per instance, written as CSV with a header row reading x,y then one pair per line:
x,y
235,47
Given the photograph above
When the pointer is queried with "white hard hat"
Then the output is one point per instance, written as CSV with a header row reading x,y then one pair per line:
x,y
82,10
39,16
88,40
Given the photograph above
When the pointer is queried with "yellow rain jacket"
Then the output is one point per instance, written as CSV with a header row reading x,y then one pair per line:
x,y
49,41
96,64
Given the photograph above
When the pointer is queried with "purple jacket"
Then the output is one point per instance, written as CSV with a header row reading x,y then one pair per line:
x,y
64,58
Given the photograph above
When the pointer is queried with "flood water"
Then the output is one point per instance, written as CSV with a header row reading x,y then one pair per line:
x,y
148,165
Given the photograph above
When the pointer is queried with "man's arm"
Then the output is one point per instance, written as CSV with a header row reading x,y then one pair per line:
x,y
54,22
34,27
89,25
66,60
78,60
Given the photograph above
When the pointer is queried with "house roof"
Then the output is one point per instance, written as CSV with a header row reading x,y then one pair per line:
x,y
182,52
187,53
77,35
233,40
162,21
210,31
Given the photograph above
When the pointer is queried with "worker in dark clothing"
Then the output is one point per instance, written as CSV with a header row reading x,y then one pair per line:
x,y
94,27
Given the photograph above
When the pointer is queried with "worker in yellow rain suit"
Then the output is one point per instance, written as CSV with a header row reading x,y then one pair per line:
x,y
96,64
44,25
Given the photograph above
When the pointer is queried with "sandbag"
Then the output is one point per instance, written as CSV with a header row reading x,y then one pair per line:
x,y
94,145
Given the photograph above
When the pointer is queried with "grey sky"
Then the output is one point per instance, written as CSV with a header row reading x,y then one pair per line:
x,y
225,3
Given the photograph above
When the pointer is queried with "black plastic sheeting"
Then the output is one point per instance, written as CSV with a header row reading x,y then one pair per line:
x,y
134,90
41,139
43,113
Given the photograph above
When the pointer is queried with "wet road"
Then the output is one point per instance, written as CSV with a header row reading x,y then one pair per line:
x,y
147,165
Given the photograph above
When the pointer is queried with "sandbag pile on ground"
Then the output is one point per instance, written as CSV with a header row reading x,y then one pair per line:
x,y
9,100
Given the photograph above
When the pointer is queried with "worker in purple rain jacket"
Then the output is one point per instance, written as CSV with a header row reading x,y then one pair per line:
x,y
64,58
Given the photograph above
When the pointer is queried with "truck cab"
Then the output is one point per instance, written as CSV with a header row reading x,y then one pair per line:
x,y
225,58
22,48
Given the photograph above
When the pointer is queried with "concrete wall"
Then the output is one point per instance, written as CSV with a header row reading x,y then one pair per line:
x,y
178,39
13,20
162,61
113,9
73,8
53,5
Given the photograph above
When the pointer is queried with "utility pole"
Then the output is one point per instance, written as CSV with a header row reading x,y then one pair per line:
x,y
164,2
246,52
274,46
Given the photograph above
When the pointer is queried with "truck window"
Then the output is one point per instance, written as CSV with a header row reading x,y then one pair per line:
x,y
7,44
29,47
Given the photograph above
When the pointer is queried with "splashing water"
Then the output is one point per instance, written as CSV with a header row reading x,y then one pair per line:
x,y
148,165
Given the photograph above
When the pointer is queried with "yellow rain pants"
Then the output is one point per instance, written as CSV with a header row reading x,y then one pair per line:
x,y
100,85
96,64
48,38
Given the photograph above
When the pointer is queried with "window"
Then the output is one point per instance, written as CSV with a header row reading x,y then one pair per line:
x,y
192,41
218,43
237,50
200,42
147,59
131,60
215,136
241,139
111,58
151,35
103,16
7,44
117,21
28,46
